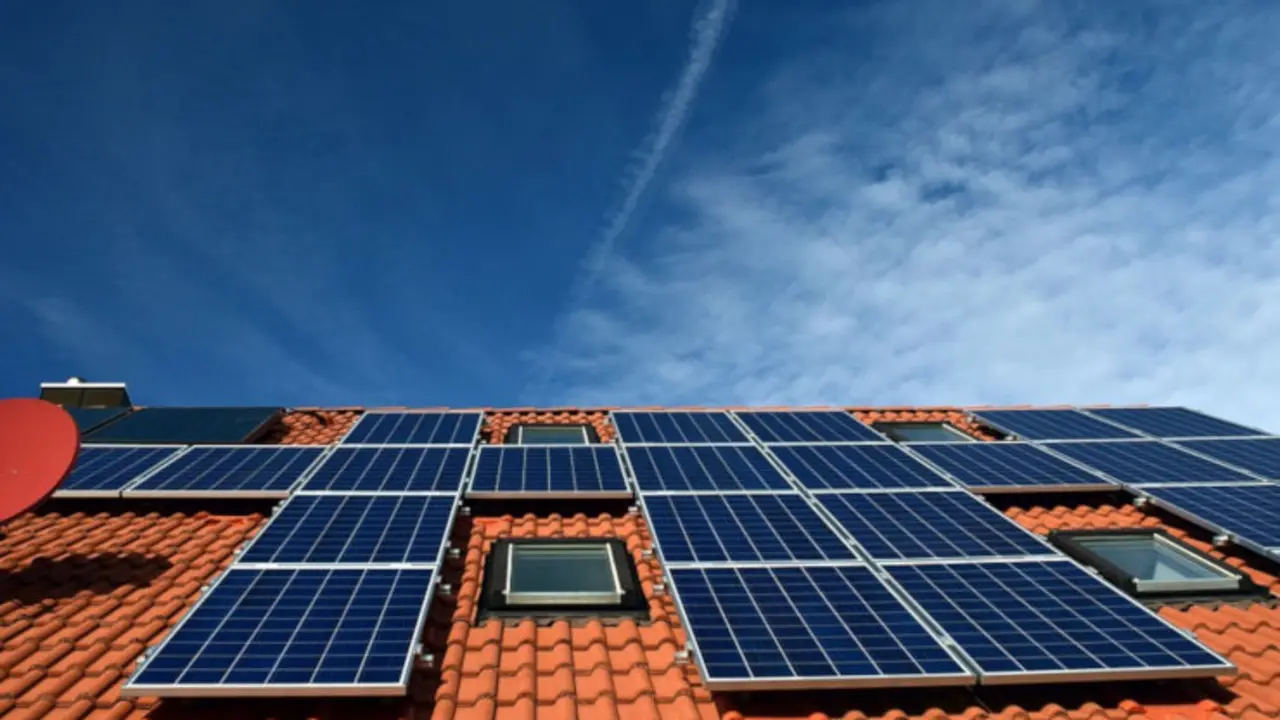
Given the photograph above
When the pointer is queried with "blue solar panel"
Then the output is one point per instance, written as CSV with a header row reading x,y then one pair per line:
x,y
1008,466
1249,512
225,471
918,526
390,469
806,626
741,528
1173,422
403,428
1053,425
290,632
354,529
724,468
186,426
90,418
1138,463
1258,456
856,467
807,427
1050,621
571,471
110,469
677,427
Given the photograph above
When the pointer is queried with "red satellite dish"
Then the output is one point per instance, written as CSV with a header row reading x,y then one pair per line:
x,y
38,446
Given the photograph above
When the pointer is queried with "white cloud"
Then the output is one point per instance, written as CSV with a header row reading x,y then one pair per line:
x,y
1016,205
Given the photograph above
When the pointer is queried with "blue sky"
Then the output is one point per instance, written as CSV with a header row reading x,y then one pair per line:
x,y
499,203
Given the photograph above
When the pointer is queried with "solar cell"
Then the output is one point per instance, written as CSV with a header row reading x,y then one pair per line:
x,y
812,426
403,428
293,632
186,426
677,427
1053,425
801,626
240,470
1250,513
856,467
897,526
1139,463
741,528
1173,422
1047,621
390,469
1008,466
548,471
106,470
89,418
722,468
355,529
1258,456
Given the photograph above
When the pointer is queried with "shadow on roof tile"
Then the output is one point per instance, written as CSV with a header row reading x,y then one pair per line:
x,y
56,578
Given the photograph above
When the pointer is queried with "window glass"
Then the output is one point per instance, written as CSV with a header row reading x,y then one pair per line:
x,y
563,570
1148,558
922,432
534,435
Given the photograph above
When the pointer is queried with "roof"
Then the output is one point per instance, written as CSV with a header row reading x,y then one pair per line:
x,y
86,586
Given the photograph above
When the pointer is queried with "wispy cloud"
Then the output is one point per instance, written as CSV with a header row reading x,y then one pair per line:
x,y
1012,204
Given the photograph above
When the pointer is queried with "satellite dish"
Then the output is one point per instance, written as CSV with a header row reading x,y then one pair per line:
x,y
38,446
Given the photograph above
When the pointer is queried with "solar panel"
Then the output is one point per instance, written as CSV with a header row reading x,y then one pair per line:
x,y
741,528
293,632
355,529
1047,621
677,427
1139,463
917,526
1173,422
1052,425
723,468
403,428
811,426
990,466
822,626
390,469
1258,456
186,426
106,470
89,418
1250,513
856,467
548,471
238,470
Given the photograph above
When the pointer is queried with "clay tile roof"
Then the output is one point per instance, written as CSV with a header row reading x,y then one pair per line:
x,y
85,588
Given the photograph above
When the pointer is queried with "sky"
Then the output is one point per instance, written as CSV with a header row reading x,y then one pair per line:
x,y
662,202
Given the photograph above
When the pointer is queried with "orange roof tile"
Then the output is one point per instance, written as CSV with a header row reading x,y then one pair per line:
x,y
81,596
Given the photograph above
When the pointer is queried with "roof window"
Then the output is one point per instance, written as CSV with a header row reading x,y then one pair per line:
x,y
551,435
922,432
1152,564
561,577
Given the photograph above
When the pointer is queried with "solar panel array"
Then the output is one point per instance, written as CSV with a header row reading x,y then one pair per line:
x,y
106,470
856,467
772,555
813,426
1008,466
1173,422
185,426
665,428
1259,456
1250,514
90,418
1148,462
229,471
406,428
1053,425
549,471
331,596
